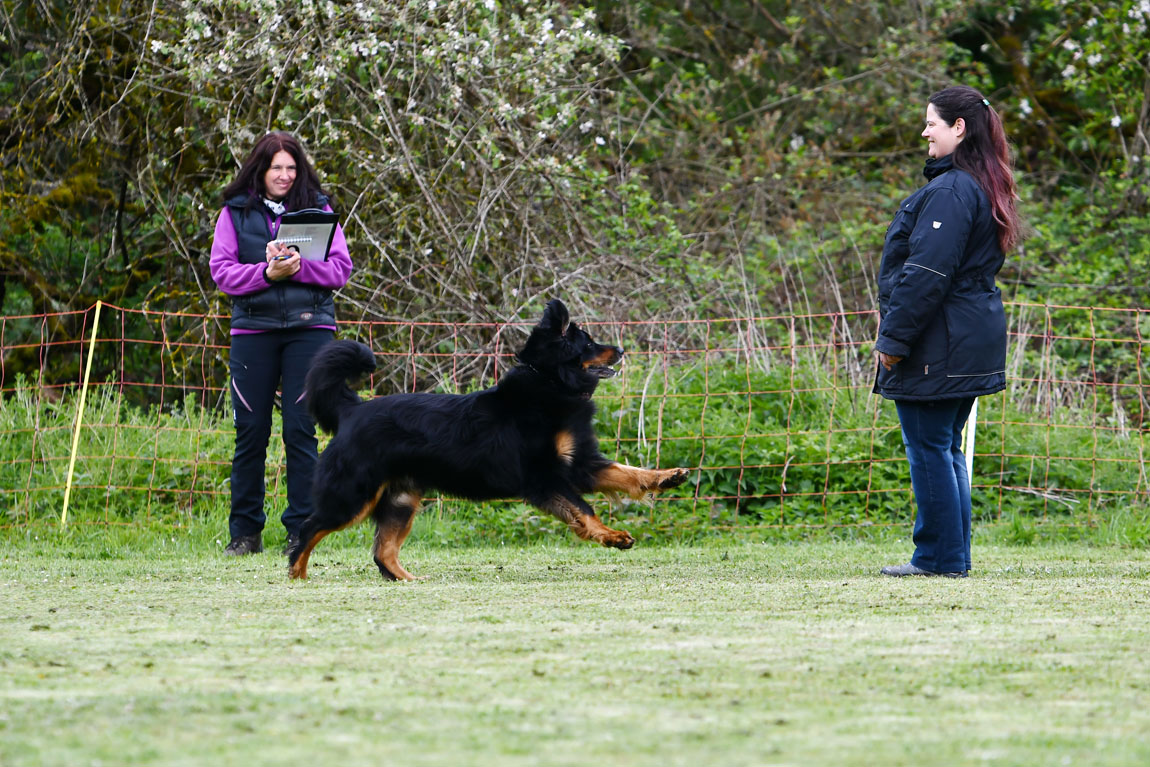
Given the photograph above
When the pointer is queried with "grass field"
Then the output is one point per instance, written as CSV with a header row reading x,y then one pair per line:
x,y
158,650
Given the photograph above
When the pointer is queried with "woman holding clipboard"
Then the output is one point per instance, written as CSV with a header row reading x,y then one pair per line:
x,y
282,312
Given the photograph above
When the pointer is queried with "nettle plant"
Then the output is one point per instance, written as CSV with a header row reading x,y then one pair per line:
x,y
461,138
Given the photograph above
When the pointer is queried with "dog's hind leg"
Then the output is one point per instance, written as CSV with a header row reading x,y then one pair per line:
x,y
393,519
582,520
621,478
316,529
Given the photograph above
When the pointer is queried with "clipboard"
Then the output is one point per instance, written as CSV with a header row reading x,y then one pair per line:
x,y
309,232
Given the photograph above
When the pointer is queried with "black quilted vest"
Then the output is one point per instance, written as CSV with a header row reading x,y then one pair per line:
x,y
284,304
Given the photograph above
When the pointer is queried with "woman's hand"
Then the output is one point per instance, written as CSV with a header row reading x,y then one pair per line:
x,y
282,261
888,361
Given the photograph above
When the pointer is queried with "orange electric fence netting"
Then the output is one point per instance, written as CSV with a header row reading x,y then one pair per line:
x,y
127,419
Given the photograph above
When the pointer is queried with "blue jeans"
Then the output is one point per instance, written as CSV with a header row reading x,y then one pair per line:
x,y
932,433
258,364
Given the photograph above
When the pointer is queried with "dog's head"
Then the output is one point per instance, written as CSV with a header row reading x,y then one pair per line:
x,y
562,352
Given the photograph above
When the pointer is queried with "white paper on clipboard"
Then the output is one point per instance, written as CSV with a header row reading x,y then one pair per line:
x,y
309,232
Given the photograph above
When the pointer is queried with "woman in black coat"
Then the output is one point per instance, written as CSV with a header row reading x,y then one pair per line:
x,y
942,330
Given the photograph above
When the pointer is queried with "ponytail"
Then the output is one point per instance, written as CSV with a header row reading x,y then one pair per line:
x,y
985,154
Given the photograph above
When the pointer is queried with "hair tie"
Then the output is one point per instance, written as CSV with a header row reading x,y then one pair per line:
x,y
986,103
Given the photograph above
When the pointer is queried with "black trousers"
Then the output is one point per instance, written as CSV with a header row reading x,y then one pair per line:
x,y
259,362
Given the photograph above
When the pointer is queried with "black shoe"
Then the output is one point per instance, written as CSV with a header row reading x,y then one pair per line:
x,y
292,544
245,544
898,571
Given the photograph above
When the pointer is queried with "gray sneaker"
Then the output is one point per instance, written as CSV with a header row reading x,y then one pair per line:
x,y
898,571
245,544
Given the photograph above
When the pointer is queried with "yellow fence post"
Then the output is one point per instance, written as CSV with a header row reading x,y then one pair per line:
x,y
80,415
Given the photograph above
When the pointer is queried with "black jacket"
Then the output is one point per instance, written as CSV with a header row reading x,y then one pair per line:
x,y
939,307
284,304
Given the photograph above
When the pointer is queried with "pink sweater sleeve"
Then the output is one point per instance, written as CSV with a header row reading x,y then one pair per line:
x,y
230,274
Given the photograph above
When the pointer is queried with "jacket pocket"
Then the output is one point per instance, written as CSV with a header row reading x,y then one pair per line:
x,y
262,305
977,327
903,222
930,351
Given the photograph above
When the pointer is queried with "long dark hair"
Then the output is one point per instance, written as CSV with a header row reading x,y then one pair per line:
x,y
983,153
304,192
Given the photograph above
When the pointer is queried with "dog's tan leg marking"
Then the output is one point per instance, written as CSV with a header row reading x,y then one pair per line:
x,y
415,503
390,535
620,478
299,569
588,526
565,447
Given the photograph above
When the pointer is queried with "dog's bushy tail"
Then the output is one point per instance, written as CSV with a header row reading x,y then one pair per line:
x,y
328,394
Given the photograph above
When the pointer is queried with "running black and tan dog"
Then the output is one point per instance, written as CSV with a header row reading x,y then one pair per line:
x,y
528,437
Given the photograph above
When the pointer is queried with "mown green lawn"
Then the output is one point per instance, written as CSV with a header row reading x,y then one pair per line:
x,y
568,654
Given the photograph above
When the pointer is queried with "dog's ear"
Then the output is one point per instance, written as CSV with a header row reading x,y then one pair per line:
x,y
556,317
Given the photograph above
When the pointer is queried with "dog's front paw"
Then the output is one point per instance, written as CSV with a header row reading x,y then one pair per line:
x,y
617,539
674,478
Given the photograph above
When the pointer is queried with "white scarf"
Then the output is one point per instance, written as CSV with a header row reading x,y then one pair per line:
x,y
276,207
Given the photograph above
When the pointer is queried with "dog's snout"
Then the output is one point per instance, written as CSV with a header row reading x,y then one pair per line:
x,y
604,357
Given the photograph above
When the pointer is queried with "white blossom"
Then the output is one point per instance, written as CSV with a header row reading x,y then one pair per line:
x,y
1116,121
1024,107
600,140
586,127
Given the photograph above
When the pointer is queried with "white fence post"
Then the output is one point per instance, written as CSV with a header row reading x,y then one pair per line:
x,y
968,442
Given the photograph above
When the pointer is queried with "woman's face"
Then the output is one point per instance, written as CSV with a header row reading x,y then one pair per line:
x,y
280,176
941,139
